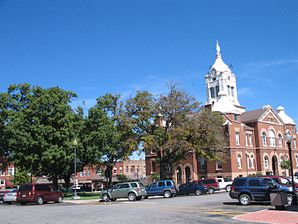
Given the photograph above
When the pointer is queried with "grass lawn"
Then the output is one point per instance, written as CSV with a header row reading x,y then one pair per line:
x,y
83,197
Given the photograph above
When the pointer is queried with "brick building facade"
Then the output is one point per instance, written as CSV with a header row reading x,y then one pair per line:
x,y
255,138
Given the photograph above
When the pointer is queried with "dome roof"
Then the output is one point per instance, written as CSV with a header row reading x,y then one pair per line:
x,y
285,118
223,105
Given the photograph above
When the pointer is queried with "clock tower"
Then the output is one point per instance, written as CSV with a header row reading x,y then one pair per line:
x,y
221,87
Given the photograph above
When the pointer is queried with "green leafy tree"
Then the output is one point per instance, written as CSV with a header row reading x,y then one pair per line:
x,y
21,177
41,130
171,127
285,164
122,178
206,134
108,134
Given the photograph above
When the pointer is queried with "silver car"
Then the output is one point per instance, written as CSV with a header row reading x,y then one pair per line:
x,y
131,190
10,196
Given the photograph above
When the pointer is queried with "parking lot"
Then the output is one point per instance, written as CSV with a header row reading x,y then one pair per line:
x,y
215,208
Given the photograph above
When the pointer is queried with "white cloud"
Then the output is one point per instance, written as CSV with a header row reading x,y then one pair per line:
x,y
245,91
267,68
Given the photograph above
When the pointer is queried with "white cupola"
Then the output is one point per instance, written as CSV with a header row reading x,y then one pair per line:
x,y
221,87
285,118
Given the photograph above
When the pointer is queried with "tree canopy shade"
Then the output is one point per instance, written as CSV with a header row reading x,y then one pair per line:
x,y
108,135
41,130
38,127
174,124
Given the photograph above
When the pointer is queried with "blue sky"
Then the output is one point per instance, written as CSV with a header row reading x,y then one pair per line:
x,y
95,47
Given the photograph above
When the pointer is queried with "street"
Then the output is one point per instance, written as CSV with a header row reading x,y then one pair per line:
x,y
215,208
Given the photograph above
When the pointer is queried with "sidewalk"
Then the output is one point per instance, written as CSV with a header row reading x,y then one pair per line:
x,y
288,216
85,201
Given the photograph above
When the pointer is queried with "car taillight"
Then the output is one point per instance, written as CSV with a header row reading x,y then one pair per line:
x,y
30,193
232,188
138,189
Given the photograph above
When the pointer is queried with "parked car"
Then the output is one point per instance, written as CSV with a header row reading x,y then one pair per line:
x,y
247,189
79,188
211,183
225,183
164,188
285,181
2,193
192,188
37,193
10,196
131,190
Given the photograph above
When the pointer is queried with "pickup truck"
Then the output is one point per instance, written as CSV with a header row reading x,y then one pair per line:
x,y
225,183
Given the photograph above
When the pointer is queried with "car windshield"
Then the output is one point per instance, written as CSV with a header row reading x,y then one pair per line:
x,y
26,187
284,181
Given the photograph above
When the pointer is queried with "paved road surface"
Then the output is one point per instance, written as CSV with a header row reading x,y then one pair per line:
x,y
216,208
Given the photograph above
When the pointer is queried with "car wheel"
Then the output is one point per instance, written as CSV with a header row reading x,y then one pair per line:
x,y
211,190
167,194
113,199
39,201
1,201
23,203
198,192
132,196
60,199
145,197
290,199
105,197
244,199
228,188
139,198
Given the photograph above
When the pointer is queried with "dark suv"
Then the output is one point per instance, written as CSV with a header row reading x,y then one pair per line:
x,y
164,188
211,183
192,188
247,189
37,193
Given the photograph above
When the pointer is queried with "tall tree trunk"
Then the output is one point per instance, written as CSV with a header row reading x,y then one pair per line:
x,y
66,178
55,182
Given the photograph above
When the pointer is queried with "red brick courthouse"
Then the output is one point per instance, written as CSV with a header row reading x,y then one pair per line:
x,y
256,138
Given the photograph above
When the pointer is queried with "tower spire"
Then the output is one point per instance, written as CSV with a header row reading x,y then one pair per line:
x,y
218,54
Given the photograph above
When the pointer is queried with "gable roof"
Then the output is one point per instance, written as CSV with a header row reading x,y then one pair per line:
x,y
253,115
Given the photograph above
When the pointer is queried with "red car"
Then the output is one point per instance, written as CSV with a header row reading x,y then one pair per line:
x,y
37,193
211,183
282,180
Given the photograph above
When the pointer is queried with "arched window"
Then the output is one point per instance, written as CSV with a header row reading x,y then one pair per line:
x,y
252,161
264,136
279,140
187,174
239,163
248,162
212,92
272,138
266,162
179,175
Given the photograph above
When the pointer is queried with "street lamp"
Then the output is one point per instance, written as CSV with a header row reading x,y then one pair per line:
x,y
75,170
288,139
